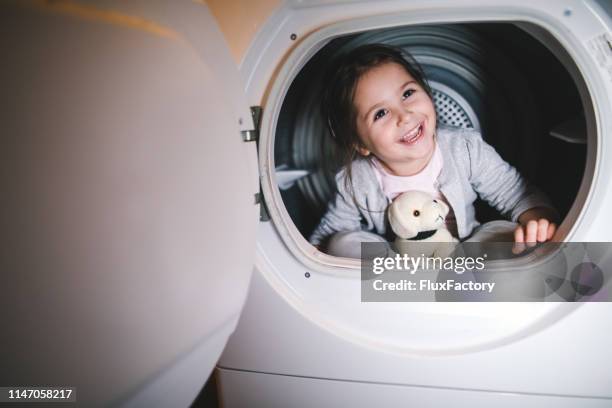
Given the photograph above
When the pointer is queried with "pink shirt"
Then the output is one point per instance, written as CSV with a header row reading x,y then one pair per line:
x,y
425,180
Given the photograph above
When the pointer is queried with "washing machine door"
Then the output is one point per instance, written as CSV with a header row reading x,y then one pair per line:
x,y
129,217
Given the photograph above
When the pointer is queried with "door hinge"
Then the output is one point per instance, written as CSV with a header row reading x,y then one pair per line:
x,y
263,209
253,135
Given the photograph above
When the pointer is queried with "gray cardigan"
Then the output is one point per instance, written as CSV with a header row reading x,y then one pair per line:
x,y
471,167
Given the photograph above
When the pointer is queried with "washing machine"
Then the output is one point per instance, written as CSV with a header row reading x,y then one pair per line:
x,y
159,202
531,78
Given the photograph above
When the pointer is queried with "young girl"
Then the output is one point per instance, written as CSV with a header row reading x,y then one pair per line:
x,y
380,111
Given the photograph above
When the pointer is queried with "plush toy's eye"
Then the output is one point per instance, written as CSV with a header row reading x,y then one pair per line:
x,y
436,201
416,213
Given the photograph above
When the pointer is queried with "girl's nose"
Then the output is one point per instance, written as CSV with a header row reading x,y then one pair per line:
x,y
404,116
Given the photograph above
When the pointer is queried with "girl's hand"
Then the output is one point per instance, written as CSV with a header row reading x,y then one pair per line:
x,y
535,226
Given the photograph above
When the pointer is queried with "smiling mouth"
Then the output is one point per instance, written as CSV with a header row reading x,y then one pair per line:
x,y
413,135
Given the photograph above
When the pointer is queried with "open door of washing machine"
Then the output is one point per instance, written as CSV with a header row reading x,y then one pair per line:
x,y
129,217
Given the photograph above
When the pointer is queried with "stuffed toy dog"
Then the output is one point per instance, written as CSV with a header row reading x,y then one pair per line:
x,y
418,221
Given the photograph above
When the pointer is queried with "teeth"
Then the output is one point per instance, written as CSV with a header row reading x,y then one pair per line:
x,y
413,132
412,135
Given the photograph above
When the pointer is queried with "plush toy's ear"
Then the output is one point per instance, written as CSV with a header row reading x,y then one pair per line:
x,y
443,207
401,224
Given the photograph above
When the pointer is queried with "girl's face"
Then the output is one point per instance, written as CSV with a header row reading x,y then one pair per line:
x,y
396,119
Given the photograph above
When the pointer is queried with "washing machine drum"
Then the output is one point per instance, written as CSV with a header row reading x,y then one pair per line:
x,y
474,86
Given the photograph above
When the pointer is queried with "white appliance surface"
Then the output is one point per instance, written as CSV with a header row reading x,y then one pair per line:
x,y
122,148
302,335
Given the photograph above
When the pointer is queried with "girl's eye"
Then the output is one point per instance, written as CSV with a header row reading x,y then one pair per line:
x,y
379,114
416,213
407,93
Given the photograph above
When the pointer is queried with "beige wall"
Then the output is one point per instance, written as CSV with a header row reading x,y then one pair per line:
x,y
239,20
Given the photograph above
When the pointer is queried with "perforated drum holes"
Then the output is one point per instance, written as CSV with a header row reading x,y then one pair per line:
x,y
449,111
